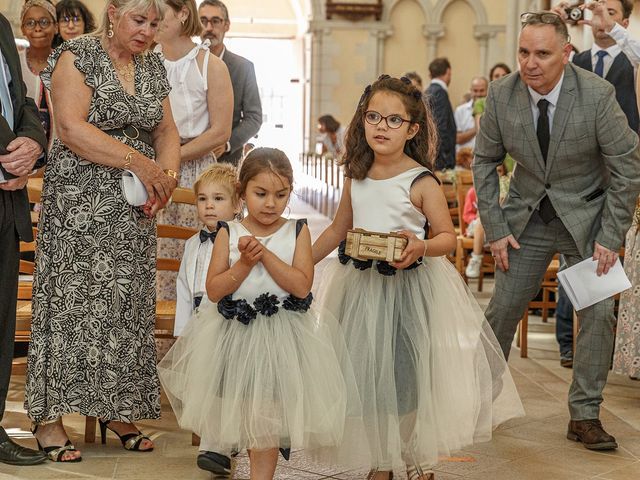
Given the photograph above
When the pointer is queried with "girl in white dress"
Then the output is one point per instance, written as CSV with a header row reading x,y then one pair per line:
x,y
202,106
431,375
258,368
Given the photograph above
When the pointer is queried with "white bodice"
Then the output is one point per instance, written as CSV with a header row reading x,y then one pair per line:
x,y
385,205
282,243
188,91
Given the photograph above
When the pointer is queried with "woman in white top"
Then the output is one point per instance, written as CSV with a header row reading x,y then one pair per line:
x,y
202,106
38,24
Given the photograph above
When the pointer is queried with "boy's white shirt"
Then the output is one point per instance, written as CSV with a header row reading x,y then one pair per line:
x,y
185,284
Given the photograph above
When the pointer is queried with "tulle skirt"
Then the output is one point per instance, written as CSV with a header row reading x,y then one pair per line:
x,y
282,381
431,375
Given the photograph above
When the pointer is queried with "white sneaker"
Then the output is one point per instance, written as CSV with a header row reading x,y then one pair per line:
x,y
473,267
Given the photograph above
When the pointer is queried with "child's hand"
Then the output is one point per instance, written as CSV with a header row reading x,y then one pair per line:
x,y
415,249
251,250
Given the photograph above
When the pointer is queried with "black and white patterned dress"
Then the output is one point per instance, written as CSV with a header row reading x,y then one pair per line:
x,y
92,347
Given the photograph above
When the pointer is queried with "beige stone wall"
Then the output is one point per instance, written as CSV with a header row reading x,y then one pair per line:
x,y
341,56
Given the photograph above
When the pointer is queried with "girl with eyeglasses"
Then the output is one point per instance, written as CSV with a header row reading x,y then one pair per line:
x,y
74,19
38,24
430,372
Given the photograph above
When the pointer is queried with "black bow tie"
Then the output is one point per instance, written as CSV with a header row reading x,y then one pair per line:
x,y
206,235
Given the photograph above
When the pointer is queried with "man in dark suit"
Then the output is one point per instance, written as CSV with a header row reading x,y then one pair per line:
x,y
438,100
247,109
609,61
22,141
572,192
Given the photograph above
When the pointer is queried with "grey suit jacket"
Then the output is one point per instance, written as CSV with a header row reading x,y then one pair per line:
x,y
592,172
247,108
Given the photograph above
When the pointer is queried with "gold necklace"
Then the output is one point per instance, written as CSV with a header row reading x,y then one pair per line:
x,y
126,71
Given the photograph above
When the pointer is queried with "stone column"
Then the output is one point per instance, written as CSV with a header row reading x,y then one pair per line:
x,y
433,32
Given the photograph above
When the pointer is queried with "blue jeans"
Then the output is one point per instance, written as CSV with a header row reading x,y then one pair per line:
x,y
564,318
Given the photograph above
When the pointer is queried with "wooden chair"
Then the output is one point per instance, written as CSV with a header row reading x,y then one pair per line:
x,y
23,308
464,244
549,285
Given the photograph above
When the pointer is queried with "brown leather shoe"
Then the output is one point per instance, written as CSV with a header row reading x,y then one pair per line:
x,y
591,434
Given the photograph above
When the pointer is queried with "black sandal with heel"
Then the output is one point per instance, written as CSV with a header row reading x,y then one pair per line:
x,y
54,452
130,441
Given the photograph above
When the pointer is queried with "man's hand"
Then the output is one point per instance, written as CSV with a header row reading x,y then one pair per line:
x,y
22,156
500,251
559,10
601,20
605,258
15,183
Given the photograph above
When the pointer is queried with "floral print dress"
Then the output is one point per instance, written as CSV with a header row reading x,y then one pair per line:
x,y
626,359
92,347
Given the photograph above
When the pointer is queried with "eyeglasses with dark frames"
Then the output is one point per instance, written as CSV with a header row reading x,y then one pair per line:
x,y
533,18
393,121
214,21
75,19
545,18
43,22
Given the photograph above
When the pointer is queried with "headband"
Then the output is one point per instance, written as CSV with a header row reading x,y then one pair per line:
x,y
48,6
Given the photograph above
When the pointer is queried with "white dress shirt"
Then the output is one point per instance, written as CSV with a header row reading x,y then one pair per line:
x,y
629,46
613,51
551,97
465,121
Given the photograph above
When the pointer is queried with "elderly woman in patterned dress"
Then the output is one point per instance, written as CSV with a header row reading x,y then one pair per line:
x,y
92,348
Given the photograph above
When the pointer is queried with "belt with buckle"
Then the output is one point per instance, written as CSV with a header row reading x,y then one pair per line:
x,y
132,132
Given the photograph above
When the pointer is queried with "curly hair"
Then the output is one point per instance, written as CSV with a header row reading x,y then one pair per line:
x,y
422,147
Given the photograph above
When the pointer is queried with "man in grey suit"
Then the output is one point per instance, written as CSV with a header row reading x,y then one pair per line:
x,y
573,192
247,109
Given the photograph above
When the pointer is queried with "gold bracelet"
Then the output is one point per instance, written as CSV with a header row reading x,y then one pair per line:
x,y
128,158
172,173
233,278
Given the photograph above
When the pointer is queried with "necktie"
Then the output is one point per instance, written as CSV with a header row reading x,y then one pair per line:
x,y
547,212
543,127
206,235
599,70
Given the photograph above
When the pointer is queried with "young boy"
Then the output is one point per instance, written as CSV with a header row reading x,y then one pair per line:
x,y
216,200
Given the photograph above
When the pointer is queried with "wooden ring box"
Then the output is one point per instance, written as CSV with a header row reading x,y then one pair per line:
x,y
364,245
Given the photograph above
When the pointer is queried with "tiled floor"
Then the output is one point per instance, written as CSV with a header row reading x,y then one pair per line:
x,y
533,447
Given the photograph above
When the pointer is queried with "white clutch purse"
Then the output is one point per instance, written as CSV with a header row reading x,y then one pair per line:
x,y
133,189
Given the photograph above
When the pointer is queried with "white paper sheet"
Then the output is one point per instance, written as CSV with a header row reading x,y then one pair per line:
x,y
585,288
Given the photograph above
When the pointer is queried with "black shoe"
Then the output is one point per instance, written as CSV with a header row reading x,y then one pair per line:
x,y
566,359
215,463
13,454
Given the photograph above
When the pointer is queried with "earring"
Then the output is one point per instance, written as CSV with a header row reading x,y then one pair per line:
x,y
110,31
183,20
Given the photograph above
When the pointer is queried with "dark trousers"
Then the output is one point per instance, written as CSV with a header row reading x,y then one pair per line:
x,y
564,321
9,264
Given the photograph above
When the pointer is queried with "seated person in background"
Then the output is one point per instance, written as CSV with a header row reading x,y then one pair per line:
x,y
474,227
216,200
332,135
